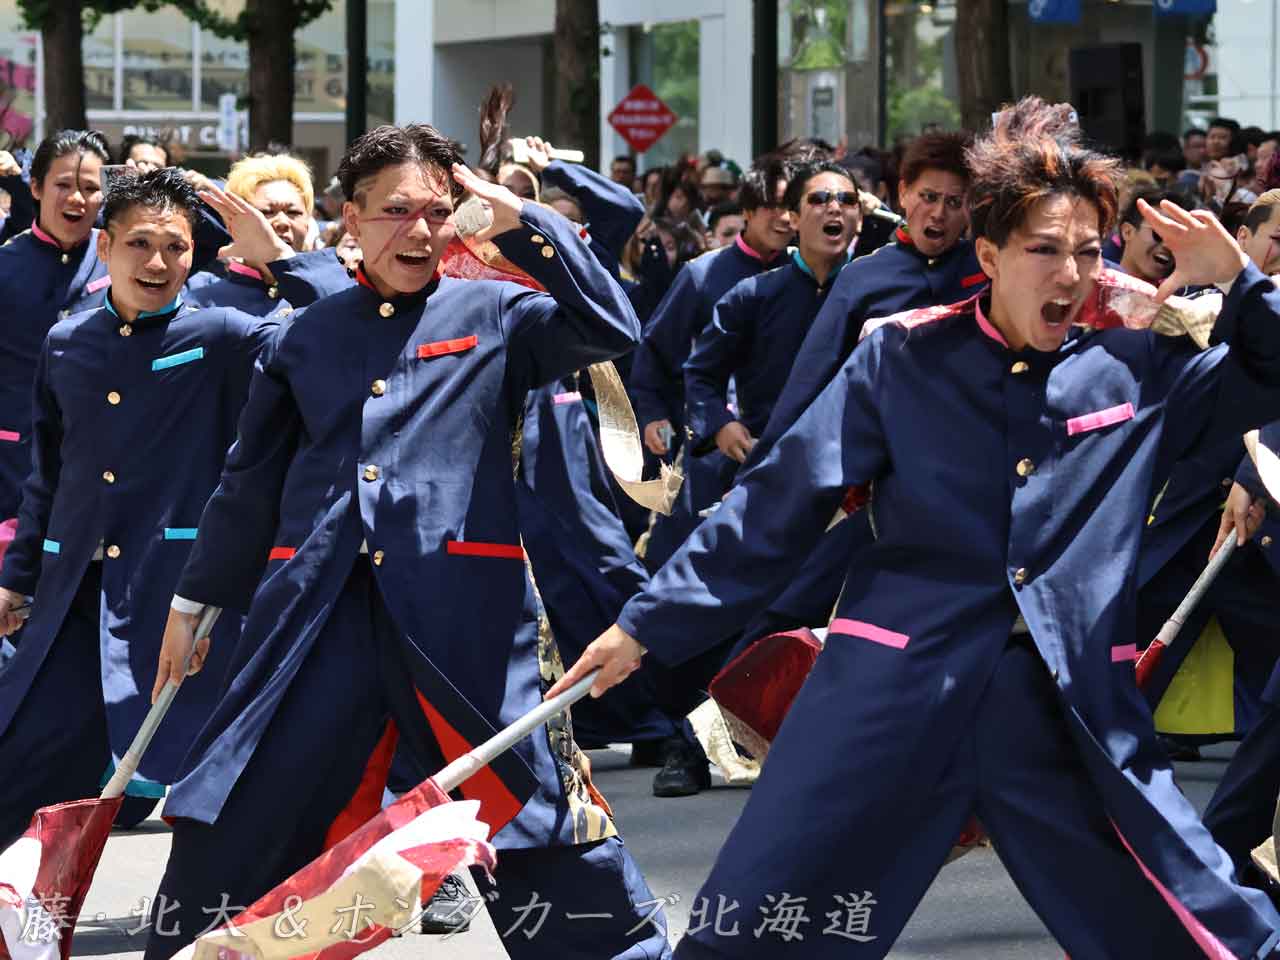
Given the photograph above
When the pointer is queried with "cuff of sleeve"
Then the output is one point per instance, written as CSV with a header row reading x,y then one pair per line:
x,y
183,605
1246,283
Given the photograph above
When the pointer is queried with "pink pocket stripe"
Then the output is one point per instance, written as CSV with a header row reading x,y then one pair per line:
x,y
574,397
1099,419
869,631
95,285
1124,653
10,436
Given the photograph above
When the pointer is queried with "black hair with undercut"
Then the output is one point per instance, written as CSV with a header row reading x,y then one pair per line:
x,y
760,183
1035,151
1153,195
64,142
801,177
389,146
164,189
727,208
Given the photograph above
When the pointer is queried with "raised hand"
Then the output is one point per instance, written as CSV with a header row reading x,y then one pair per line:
x,y
252,239
1204,251
502,203
10,600
539,153
9,167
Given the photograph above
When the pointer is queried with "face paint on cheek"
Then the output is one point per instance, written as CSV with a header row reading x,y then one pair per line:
x,y
406,224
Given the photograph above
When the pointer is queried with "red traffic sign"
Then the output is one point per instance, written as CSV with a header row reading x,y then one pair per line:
x,y
641,118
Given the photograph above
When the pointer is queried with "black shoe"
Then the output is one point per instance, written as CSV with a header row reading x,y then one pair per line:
x,y
648,753
450,909
684,772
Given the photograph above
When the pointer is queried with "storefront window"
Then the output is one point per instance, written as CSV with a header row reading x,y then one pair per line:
x,y
827,48
17,78
920,69
665,57
157,58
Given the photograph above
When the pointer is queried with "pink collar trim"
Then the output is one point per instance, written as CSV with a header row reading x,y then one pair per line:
x,y
754,254
240,268
44,237
985,325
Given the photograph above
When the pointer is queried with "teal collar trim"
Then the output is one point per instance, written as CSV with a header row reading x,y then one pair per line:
x,y
173,306
805,269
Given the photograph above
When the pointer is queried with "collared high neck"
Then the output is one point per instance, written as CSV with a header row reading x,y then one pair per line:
x,y
399,299
804,268
49,239
751,251
986,326
163,315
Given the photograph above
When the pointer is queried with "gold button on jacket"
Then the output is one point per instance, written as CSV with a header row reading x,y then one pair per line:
x,y
113,552
1020,367
371,472
387,309
377,558
1020,576
113,398
1025,467
108,476
379,388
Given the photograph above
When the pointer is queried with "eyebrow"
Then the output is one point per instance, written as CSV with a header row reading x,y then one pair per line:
x,y
1055,238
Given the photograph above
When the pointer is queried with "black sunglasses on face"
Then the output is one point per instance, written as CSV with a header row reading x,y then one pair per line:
x,y
820,198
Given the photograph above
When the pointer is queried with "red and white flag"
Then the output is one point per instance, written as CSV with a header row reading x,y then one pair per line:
x,y
45,875
361,891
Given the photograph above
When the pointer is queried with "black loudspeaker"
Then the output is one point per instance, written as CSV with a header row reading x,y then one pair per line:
x,y
1106,90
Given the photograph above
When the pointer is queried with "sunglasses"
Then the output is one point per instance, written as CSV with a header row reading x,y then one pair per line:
x,y
952,201
820,198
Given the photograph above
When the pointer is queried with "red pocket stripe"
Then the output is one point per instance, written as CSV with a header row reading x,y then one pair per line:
x,y
441,347
869,631
474,548
1099,419
95,285
281,553
1124,653
973,279
10,436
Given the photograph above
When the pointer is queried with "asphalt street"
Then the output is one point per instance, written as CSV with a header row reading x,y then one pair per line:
x,y
972,911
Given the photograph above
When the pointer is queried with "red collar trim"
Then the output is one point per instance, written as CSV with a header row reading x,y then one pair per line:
x,y
363,279
901,235
44,237
985,325
749,251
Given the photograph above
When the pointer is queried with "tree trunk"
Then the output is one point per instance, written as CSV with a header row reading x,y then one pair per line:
x,y
271,65
982,34
576,47
62,34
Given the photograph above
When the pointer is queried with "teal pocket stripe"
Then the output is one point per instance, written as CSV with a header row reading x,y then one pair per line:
x,y
177,359
52,546
179,533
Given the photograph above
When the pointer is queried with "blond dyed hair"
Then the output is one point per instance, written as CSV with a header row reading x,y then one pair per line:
x,y
249,174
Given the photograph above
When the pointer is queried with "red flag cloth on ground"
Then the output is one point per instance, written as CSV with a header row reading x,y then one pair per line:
x,y
45,876
360,892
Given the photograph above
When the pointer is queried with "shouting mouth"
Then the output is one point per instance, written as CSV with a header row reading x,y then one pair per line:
x,y
414,259
833,229
1055,313
1164,260
155,286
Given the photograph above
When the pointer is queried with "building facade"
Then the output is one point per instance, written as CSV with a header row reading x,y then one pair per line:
x,y
856,72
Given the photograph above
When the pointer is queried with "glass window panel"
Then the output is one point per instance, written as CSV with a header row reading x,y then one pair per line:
x,y
920,67
157,60
99,51
665,57
382,61
17,78
321,76
224,63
